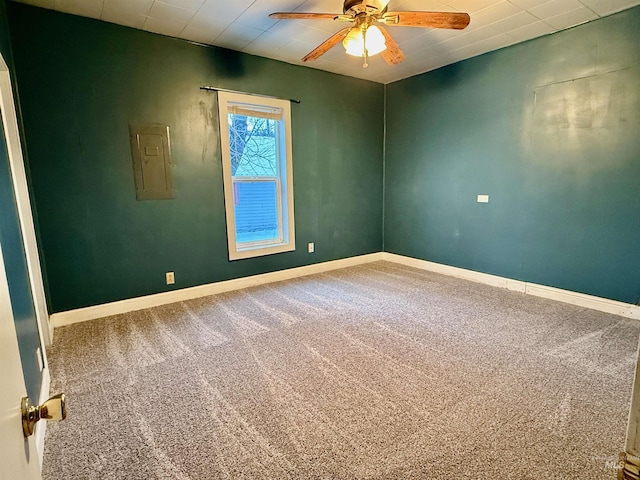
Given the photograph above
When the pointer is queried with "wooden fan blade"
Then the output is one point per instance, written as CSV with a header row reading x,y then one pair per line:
x,y
392,55
303,16
453,20
325,46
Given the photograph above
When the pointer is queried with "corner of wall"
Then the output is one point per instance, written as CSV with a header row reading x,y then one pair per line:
x,y
384,159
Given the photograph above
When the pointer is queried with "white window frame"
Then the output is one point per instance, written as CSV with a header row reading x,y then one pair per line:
x,y
284,185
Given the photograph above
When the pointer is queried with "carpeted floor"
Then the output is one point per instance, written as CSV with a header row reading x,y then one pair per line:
x,y
372,372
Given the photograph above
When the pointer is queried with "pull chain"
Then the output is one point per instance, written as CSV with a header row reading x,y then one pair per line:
x,y
365,53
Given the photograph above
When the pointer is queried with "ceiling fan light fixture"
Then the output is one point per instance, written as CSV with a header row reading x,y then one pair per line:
x,y
363,39
376,42
354,42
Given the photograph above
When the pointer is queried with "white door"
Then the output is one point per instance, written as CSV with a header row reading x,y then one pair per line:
x,y
632,445
630,459
18,457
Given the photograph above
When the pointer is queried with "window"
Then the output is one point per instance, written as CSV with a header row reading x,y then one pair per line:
x,y
255,135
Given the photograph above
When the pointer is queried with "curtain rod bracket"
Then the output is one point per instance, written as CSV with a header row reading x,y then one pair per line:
x,y
216,89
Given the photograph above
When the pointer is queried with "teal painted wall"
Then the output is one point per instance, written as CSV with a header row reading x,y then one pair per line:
x,y
546,128
13,250
550,130
84,81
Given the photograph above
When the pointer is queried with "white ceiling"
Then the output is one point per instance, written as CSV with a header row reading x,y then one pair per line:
x,y
244,25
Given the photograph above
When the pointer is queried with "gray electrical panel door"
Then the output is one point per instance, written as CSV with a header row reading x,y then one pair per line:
x,y
151,153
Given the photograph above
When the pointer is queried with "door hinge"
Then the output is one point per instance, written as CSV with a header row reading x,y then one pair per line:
x,y
629,467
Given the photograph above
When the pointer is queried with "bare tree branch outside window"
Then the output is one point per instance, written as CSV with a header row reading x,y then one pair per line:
x,y
253,146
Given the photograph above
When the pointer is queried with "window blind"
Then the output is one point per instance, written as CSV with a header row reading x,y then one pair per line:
x,y
255,111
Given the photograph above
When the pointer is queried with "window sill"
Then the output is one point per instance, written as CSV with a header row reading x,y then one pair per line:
x,y
261,251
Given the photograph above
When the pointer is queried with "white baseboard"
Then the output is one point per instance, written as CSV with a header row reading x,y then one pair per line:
x,y
588,301
580,299
478,277
41,427
139,303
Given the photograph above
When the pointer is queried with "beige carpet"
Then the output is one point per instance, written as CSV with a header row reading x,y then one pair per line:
x,y
372,372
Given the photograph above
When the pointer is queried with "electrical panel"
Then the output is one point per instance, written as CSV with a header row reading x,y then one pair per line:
x,y
151,154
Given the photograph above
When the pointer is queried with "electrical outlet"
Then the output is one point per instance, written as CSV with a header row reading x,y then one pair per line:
x,y
312,247
483,198
171,278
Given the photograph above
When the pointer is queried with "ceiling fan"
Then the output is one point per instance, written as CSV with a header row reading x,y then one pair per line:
x,y
365,38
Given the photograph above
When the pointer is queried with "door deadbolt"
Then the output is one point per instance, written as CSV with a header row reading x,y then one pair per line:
x,y
52,409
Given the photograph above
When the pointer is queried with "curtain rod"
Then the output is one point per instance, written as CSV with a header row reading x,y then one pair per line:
x,y
216,89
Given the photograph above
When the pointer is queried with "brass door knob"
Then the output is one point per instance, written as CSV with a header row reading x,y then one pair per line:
x,y
52,409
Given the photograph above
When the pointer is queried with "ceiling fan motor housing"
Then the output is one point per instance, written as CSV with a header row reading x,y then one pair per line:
x,y
380,5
